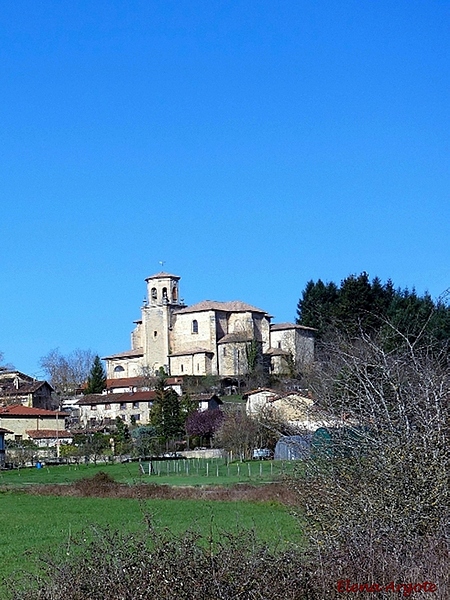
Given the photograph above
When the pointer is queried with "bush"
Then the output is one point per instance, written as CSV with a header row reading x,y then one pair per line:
x,y
148,565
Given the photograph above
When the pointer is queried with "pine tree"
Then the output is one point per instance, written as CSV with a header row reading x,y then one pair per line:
x,y
166,414
96,381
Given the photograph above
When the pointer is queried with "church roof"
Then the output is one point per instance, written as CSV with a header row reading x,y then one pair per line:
x,y
232,306
237,336
191,351
127,354
162,275
281,326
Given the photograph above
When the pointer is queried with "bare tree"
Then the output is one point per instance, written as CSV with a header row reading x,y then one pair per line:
x,y
67,373
377,497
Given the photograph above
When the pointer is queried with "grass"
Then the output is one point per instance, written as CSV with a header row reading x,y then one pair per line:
x,y
32,525
178,472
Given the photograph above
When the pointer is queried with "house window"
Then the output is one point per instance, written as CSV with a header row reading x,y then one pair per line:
x,y
123,406
123,417
93,407
155,334
195,326
198,367
135,404
136,417
119,369
149,404
18,438
107,406
182,368
279,344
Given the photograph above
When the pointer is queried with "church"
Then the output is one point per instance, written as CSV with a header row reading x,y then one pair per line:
x,y
227,339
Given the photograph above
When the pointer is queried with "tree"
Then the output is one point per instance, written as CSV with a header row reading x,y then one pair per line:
x,y
122,437
240,434
67,374
5,367
96,380
379,502
204,424
166,415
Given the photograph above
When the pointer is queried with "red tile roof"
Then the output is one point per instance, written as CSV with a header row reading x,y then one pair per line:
x,y
45,434
117,398
18,410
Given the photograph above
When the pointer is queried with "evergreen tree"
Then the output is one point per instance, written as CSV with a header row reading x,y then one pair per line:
x,y
359,305
96,381
166,414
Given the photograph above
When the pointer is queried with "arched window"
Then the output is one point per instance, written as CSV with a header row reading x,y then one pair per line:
x,y
165,293
174,293
118,371
195,326
154,294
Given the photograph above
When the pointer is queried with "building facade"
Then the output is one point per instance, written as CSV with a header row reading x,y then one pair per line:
x,y
207,338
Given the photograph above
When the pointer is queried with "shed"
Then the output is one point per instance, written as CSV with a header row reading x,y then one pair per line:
x,y
337,442
293,447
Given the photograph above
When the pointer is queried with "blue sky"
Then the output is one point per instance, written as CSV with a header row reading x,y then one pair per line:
x,y
251,145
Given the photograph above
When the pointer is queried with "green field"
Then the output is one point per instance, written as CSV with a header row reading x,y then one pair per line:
x,y
32,525
178,472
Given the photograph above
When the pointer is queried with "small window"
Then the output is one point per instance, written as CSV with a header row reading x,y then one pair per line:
x,y
93,407
107,406
182,368
136,417
123,406
195,326
119,369
198,367
224,350
123,417
155,334
149,404
174,294
154,294
18,438
279,344
135,404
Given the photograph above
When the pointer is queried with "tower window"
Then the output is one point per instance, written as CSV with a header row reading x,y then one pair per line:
x,y
195,326
154,294
164,293
182,368
155,334
174,294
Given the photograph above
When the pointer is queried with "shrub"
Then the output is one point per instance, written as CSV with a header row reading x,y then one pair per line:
x,y
148,565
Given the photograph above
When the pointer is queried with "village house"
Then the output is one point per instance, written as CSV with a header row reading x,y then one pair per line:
x,y
101,410
18,388
207,338
23,421
295,409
